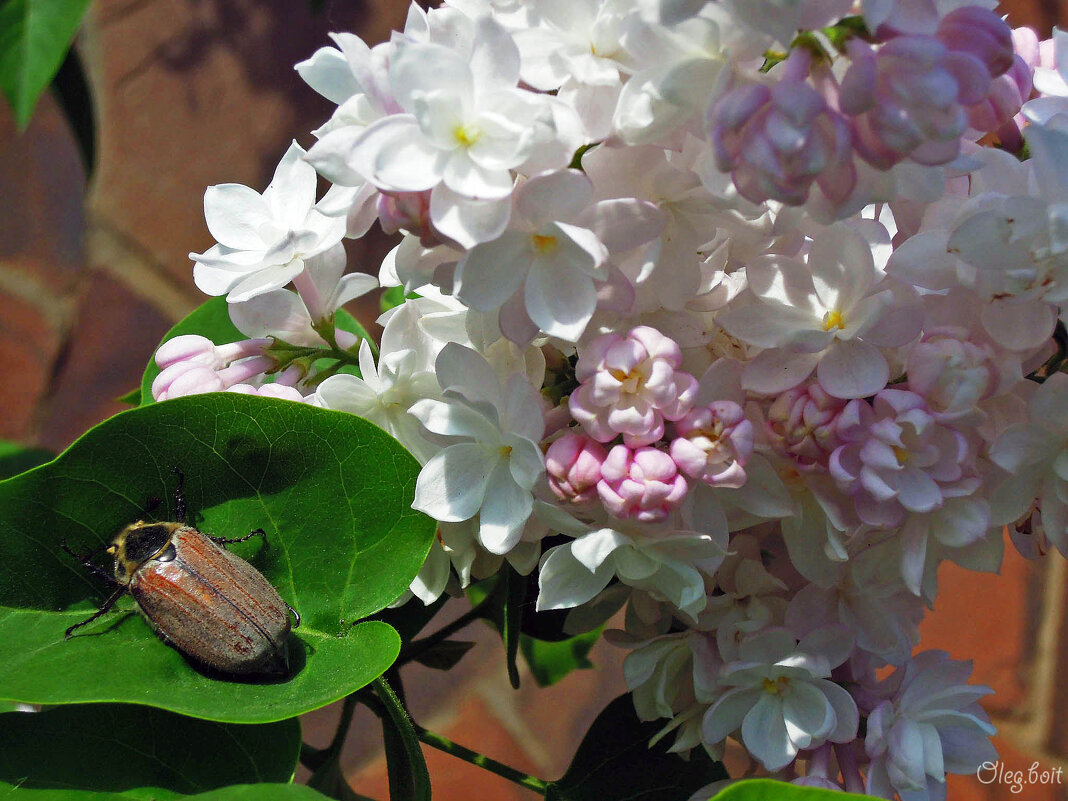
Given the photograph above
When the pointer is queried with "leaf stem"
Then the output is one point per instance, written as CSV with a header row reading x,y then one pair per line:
x,y
481,760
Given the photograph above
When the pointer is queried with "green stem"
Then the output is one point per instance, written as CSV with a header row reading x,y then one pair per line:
x,y
481,760
314,758
418,647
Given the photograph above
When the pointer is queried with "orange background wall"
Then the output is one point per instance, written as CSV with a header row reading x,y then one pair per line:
x,y
198,92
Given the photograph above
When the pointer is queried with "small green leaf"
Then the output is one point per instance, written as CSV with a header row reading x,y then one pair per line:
x,y
409,779
332,491
16,458
34,37
131,398
445,654
615,761
769,790
140,750
394,296
551,661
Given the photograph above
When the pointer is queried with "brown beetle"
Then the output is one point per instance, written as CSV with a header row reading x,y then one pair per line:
x,y
211,605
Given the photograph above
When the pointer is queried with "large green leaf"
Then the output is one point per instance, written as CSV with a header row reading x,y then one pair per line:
x,y
212,320
332,491
237,792
769,790
615,761
34,37
140,750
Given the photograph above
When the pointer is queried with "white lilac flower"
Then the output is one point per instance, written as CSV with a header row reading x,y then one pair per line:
x,y
931,725
263,240
779,695
830,314
492,461
1034,453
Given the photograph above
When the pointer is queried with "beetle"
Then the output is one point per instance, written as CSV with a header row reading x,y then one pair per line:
x,y
211,605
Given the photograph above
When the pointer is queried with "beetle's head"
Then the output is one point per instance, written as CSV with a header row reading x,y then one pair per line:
x,y
138,543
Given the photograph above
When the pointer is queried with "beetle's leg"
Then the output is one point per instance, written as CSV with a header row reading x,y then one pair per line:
x,y
296,615
110,602
225,541
96,570
179,498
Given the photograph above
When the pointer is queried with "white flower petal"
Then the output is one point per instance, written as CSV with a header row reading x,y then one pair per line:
x,y
236,215
452,485
504,512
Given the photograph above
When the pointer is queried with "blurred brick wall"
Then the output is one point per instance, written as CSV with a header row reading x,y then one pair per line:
x,y
198,92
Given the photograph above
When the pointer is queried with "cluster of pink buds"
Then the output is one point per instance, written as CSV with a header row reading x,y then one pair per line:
x,y
632,388
192,364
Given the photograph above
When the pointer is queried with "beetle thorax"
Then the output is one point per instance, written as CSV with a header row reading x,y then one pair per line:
x,y
138,543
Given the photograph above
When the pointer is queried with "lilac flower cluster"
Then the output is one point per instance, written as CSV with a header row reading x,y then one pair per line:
x,y
736,300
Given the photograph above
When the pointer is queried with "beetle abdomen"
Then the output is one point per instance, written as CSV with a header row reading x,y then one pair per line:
x,y
215,607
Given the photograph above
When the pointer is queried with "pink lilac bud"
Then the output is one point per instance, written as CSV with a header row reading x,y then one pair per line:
x,y
908,100
274,390
713,444
897,459
188,347
1007,95
776,142
643,483
951,372
630,385
573,464
801,425
408,212
981,33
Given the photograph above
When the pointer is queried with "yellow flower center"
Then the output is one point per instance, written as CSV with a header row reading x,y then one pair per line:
x,y
467,135
776,686
832,320
901,454
544,244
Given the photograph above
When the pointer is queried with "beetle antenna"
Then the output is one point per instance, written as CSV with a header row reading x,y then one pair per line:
x,y
179,497
86,562
259,532
110,602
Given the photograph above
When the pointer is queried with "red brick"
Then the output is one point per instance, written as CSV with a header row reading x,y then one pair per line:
x,y
987,618
28,344
113,336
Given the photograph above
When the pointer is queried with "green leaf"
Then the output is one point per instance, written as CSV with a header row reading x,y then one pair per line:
x,y
34,37
16,458
394,296
236,792
140,750
615,761
444,655
551,661
332,491
769,790
131,398
211,320
409,779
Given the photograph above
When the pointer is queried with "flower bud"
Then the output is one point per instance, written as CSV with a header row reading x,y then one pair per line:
x,y
188,347
801,425
573,464
630,385
643,483
776,142
713,444
981,33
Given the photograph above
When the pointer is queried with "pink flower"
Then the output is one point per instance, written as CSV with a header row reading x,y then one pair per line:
x,y
776,142
194,364
643,483
981,33
951,372
573,464
907,100
630,385
713,444
281,391
801,425
898,460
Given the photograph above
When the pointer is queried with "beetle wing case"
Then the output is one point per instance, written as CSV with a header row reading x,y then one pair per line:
x,y
215,607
